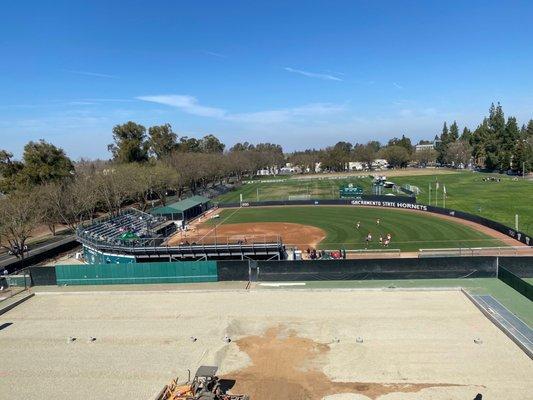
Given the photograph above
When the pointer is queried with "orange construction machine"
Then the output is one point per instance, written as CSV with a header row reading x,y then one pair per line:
x,y
205,386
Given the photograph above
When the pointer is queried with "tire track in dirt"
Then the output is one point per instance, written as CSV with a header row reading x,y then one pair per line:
x,y
285,366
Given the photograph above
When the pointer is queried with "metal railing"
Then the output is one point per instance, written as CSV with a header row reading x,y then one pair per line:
x,y
476,251
14,283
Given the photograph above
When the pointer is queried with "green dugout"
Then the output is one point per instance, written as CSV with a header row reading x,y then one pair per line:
x,y
183,210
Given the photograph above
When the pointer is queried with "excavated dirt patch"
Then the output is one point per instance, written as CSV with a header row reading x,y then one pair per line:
x,y
285,366
299,235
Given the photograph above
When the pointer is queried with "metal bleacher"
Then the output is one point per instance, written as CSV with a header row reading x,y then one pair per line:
x,y
148,235
109,230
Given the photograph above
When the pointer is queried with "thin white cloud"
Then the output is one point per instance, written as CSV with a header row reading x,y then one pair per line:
x,y
397,86
214,54
89,73
190,105
104,100
327,77
185,103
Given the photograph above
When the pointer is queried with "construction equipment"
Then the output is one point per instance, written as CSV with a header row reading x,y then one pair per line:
x,y
205,386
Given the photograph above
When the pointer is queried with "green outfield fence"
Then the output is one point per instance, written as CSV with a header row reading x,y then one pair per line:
x,y
517,283
509,269
157,272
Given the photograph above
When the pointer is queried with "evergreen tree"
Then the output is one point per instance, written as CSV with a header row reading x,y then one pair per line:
x,y
466,136
454,132
478,139
496,129
529,128
442,144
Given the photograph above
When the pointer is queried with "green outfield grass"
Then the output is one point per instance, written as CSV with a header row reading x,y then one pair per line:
x,y
410,231
466,191
499,201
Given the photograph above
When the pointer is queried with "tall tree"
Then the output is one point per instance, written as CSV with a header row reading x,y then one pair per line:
x,y
365,154
375,145
9,169
466,136
211,144
44,162
404,142
458,152
162,140
454,132
529,128
496,129
130,143
18,217
242,147
396,156
442,143
189,145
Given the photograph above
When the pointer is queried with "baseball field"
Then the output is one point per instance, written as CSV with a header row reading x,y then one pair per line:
x,y
471,192
335,227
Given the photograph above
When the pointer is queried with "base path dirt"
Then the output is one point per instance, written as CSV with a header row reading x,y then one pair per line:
x,y
301,236
285,366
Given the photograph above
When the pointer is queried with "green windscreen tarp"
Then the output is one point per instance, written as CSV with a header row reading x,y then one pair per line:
x,y
142,273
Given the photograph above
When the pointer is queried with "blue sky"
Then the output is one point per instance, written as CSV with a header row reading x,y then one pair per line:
x,y
302,74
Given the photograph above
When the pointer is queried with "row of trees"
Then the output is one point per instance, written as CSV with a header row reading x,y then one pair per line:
x,y
496,143
46,187
398,152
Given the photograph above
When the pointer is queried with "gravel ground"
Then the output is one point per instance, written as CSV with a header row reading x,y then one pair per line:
x,y
143,340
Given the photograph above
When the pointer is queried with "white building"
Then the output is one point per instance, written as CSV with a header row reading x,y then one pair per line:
x,y
421,147
356,166
380,163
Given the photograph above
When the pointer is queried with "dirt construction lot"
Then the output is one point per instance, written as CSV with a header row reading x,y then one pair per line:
x,y
285,345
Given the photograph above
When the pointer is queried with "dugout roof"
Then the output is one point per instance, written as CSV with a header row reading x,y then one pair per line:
x,y
187,208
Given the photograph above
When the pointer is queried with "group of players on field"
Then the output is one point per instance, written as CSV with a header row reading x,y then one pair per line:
x,y
384,241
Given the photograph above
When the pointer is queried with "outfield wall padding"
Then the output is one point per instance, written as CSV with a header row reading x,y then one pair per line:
x,y
43,276
520,266
376,199
158,272
414,268
518,284
233,270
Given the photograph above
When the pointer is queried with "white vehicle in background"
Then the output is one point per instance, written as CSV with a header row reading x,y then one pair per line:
x,y
380,163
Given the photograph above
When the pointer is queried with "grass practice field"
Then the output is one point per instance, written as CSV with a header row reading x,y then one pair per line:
x,y
466,191
410,231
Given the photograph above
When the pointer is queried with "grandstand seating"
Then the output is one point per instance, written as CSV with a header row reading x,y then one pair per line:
x,y
111,229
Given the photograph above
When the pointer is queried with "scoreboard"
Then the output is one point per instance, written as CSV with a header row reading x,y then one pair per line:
x,y
350,191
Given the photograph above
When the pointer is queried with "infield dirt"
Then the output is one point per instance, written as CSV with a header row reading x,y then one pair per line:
x,y
302,236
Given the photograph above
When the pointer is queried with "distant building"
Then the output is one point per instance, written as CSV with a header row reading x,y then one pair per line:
x,y
356,166
288,170
426,146
268,171
380,163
